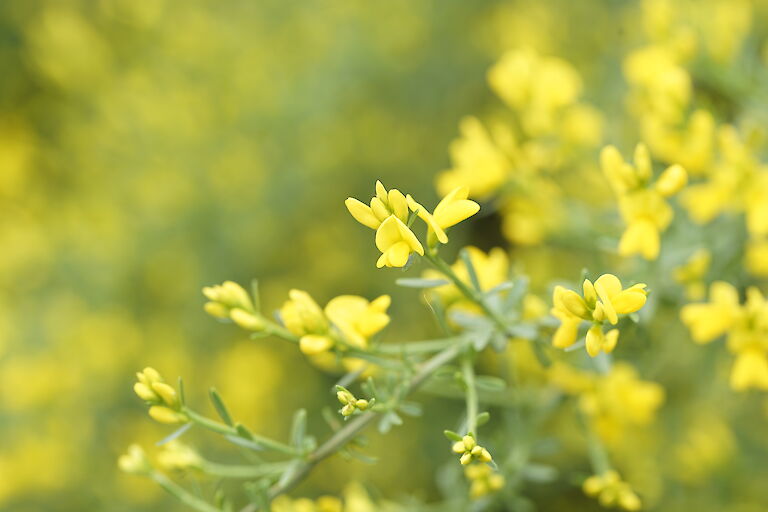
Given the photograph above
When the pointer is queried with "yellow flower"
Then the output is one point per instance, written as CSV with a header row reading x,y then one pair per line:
x,y
303,317
357,319
746,326
611,491
230,300
177,456
750,370
134,461
483,480
480,158
642,204
603,300
757,257
163,399
396,242
383,205
452,209
711,320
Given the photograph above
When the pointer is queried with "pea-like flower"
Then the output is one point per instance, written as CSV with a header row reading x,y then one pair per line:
x,y
303,317
746,326
603,301
452,209
642,204
357,319
383,205
164,402
611,491
396,242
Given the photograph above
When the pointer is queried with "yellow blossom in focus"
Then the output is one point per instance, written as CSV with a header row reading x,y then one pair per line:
x,y
165,406
452,209
383,205
611,491
602,301
470,451
396,242
303,317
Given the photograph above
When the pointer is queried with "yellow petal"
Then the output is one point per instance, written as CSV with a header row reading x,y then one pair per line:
x,y
594,341
611,338
397,255
388,233
640,237
750,371
628,301
381,192
409,238
672,180
362,213
379,209
312,344
398,204
610,284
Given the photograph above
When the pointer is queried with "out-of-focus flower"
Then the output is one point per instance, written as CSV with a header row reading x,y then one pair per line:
x,y
452,209
134,461
746,327
611,491
483,480
642,204
691,274
177,456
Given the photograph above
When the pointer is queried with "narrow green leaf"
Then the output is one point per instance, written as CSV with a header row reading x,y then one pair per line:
x,y
221,409
243,431
490,383
464,254
417,282
182,398
483,418
299,428
451,435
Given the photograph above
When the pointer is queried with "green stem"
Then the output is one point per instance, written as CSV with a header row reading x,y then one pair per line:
x,y
470,293
468,372
352,428
182,494
234,471
224,429
417,347
598,456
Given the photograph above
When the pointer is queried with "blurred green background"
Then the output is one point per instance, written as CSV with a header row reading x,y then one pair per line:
x,y
149,148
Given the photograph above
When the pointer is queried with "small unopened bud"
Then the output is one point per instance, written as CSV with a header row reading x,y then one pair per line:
x,y
458,447
469,442
247,321
361,404
166,415
465,459
347,410
485,456
166,393
672,180
216,309
144,392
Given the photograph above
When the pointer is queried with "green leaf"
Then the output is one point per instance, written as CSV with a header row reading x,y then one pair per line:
x,y
410,409
514,298
299,428
221,409
182,398
389,420
464,254
503,287
525,331
451,435
417,282
483,418
490,383
243,431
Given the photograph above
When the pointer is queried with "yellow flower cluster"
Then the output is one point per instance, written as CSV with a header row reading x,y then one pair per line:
x,y
642,202
611,491
230,300
516,161
389,213
614,402
483,480
470,450
164,402
746,326
603,301
347,318
135,461
350,402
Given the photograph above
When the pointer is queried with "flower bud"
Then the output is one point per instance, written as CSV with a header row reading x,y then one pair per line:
x,y
166,393
166,415
144,392
134,461
469,442
672,180
246,320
